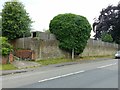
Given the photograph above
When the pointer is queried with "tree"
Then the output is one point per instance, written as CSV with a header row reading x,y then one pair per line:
x,y
15,20
116,28
0,26
106,37
72,31
108,22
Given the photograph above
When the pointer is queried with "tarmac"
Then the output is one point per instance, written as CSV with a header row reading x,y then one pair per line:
x,y
25,66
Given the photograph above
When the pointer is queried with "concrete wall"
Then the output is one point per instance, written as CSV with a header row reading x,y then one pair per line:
x,y
43,49
95,48
48,47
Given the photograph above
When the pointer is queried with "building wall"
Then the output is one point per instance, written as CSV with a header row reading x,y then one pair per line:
x,y
48,47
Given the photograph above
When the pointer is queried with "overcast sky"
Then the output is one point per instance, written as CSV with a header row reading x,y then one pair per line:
x,y
42,11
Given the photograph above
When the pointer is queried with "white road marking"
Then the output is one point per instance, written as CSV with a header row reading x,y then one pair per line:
x,y
61,76
107,65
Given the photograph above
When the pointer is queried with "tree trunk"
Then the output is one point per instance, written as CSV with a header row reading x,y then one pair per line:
x,y
73,54
23,41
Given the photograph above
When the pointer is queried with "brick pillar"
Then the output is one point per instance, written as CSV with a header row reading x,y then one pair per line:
x,y
11,57
4,59
33,55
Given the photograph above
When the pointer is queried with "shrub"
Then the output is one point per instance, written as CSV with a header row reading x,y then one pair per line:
x,y
6,47
106,37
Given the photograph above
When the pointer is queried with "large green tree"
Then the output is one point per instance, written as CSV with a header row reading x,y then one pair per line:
x,y
16,22
0,23
72,31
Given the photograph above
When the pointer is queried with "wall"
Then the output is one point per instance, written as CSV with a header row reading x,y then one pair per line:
x,y
47,47
43,49
118,47
96,47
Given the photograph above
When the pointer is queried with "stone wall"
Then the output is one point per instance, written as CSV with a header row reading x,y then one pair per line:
x,y
49,48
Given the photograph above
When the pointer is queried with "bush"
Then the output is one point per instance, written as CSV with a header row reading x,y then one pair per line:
x,y
6,47
107,37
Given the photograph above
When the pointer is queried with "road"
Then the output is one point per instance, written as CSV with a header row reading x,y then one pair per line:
x,y
100,74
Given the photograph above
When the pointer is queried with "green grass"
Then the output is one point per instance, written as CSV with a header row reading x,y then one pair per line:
x,y
53,61
7,67
95,57
61,60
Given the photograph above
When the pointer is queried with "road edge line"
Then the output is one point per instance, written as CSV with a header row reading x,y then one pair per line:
x,y
107,65
61,76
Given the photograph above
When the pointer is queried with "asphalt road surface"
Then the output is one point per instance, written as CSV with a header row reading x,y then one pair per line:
x,y
101,74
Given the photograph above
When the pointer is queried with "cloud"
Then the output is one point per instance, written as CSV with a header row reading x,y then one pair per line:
x,y
42,11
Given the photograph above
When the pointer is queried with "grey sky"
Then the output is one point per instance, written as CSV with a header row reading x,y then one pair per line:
x,y
42,11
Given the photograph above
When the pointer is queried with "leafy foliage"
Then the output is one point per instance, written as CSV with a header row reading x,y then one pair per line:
x,y
15,20
108,22
106,37
0,26
6,47
71,30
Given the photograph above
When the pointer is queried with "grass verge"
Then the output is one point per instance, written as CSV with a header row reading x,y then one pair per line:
x,y
61,60
7,67
96,57
53,61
